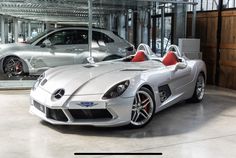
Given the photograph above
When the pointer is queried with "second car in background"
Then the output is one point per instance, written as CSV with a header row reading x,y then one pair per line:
x,y
63,46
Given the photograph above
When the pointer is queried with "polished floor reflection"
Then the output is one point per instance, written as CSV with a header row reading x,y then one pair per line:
x,y
186,130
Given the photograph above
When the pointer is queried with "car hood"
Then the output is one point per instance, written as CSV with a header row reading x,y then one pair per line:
x,y
4,48
94,78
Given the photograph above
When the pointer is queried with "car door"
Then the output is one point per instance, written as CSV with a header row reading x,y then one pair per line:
x,y
99,47
61,51
179,79
81,46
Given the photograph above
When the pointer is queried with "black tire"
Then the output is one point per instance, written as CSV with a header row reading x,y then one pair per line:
x,y
199,89
143,108
112,57
14,66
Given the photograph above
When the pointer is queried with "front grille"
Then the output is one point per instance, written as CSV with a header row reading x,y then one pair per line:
x,y
56,114
39,106
90,114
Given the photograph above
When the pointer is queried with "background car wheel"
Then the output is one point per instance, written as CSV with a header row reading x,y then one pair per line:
x,y
143,108
13,66
199,89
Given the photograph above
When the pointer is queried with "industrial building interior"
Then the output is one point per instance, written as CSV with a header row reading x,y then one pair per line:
x,y
203,30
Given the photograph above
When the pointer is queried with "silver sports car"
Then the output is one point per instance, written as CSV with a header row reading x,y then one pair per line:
x,y
63,46
127,91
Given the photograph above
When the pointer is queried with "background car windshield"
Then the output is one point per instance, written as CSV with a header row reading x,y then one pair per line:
x,y
66,37
98,36
32,40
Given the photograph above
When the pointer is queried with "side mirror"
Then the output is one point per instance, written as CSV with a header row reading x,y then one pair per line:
x,y
101,43
180,66
46,43
94,44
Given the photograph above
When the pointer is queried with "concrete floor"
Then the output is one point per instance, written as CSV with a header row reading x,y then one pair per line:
x,y
204,130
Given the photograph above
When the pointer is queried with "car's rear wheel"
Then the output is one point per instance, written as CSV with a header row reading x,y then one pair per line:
x,y
199,90
143,108
13,66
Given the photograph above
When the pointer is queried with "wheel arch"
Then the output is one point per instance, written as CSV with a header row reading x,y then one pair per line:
x,y
201,69
148,87
204,75
151,89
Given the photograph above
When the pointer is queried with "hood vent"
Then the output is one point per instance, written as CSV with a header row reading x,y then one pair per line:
x,y
89,66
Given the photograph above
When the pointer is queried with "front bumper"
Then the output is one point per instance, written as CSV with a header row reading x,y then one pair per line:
x,y
112,112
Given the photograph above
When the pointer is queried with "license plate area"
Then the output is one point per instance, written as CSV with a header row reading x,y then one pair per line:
x,y
39,106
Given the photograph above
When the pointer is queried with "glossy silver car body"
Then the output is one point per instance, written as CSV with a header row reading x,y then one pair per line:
x,y
66,46
84,101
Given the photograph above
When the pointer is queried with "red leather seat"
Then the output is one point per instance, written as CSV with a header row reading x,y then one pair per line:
x,y
139,57
170,59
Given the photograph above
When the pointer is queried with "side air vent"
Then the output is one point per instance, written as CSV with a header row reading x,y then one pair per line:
x,y
164,93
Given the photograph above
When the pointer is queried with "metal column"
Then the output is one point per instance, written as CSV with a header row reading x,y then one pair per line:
x,y
23,31
219,25
194,21
139,28
121,27
90,7
48,26
2,30
6,30
180,21
16,29
135,16
29,29
149,27
127,26
42,27
143,25
162,28
145,28
154,33
110,22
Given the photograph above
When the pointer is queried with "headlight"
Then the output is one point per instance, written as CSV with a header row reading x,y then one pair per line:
x,y
116,90
38,81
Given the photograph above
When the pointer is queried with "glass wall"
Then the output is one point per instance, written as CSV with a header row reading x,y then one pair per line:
x,y
55,34
229,3
208,5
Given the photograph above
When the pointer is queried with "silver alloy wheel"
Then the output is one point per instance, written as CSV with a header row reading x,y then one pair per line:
x,y
200,87
142,109
13,67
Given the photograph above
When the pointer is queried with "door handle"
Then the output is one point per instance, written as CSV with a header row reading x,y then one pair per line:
x,y
69,50
79,49
75,49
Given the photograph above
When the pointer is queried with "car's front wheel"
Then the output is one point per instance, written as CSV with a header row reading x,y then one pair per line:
x,y
143,108
13,66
